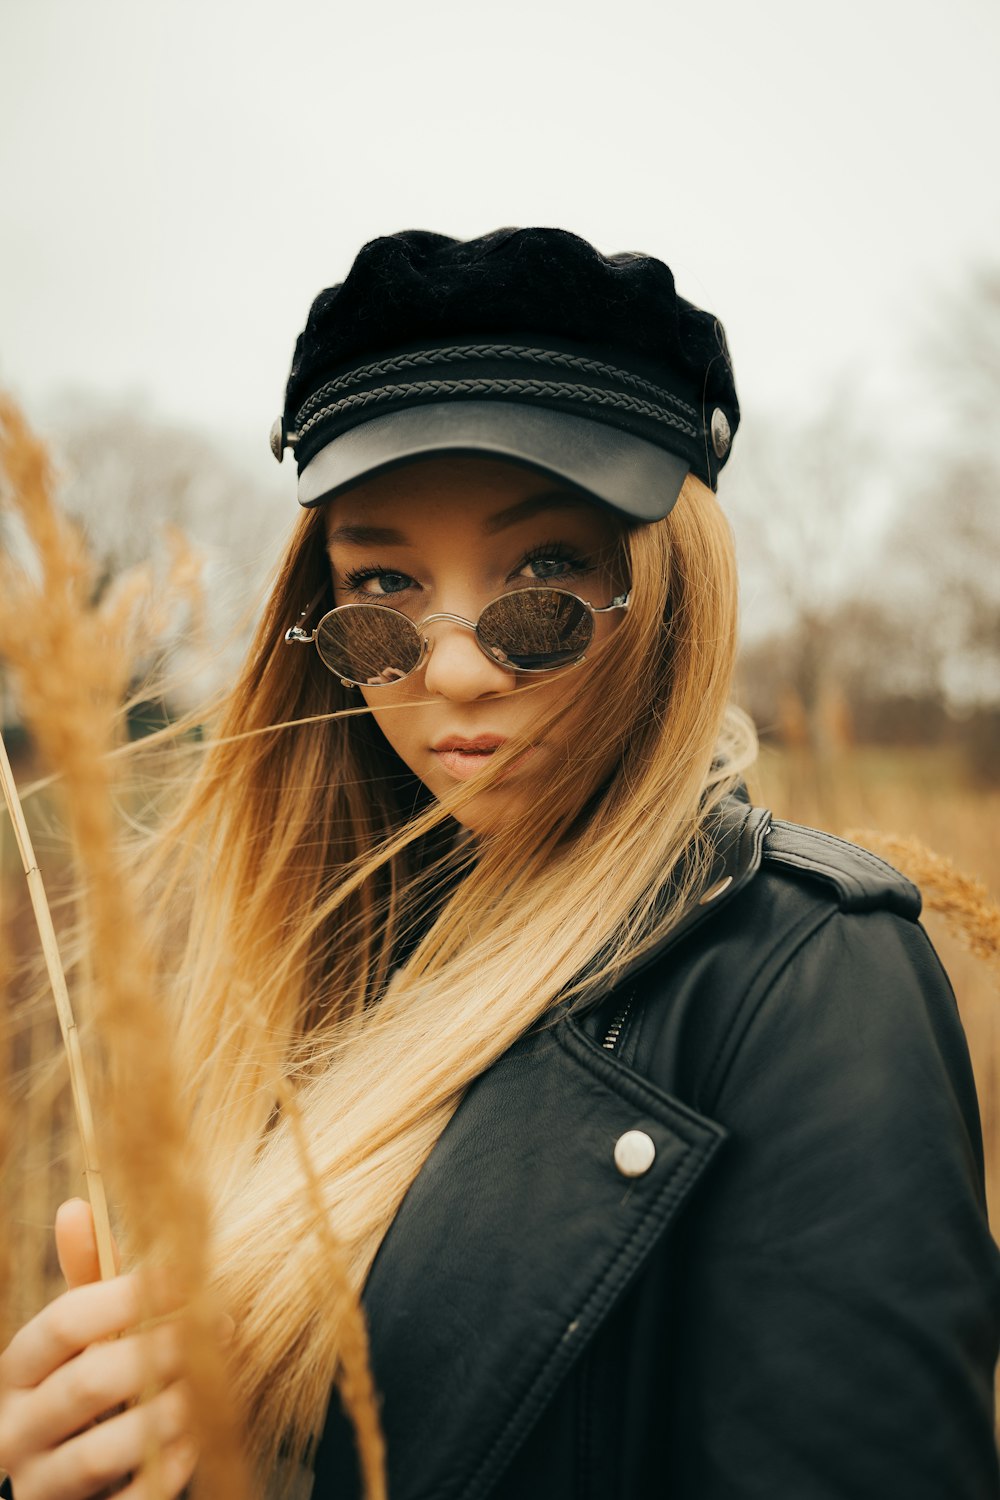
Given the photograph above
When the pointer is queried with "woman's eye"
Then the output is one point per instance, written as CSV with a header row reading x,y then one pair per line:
x,y
548,567
376,581
553,562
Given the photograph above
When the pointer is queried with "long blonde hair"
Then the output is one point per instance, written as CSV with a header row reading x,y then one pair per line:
x,y
321,921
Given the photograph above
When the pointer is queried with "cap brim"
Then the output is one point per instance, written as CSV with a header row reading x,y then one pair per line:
x,y
634,476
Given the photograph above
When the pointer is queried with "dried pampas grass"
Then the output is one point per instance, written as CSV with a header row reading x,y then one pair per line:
x,y
70,652
967,907
67,1020
5,1110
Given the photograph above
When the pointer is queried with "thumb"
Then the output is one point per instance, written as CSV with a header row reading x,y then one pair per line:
x,y
76,1243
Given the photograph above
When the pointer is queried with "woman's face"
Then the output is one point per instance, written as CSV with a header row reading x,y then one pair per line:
x,y
447,536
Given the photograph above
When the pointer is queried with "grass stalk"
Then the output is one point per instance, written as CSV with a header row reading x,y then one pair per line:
x,y
72,650
969,910
6,1240
67,1021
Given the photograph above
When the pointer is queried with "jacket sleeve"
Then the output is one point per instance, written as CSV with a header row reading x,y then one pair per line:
x,y
842,1312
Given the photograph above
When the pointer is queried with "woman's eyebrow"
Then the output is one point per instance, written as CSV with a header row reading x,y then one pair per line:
x,y
361,535
533,506
367,536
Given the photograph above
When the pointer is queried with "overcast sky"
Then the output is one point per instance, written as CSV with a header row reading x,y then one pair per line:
x,y
180,178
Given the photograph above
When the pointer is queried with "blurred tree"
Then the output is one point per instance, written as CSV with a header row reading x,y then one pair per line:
x,y
946,540
808,505
143,491
872,569
960,358
128,478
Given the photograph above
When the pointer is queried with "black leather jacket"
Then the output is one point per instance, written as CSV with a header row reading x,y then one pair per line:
x,y
797,1298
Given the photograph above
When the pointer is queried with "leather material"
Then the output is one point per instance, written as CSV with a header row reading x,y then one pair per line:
x,y
800,1299
533,315
553,1108
616,468
862,881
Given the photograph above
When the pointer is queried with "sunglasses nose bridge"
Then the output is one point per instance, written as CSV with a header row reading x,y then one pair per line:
x,y
427,645
444,615
456,667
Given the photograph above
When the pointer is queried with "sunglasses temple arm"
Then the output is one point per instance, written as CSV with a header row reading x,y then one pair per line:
x,y
295,635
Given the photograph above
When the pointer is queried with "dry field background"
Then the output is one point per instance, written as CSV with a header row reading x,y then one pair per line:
x,y
925,795
910,793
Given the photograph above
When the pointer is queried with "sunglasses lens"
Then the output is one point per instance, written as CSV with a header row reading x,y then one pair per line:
x,y
368,644
534,630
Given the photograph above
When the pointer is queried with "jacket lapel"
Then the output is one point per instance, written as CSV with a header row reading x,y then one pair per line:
x,y
509,1249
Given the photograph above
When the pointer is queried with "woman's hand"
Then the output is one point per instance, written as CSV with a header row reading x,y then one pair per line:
x,y
70,1381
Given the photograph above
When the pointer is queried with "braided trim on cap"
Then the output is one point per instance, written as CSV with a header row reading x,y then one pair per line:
x,y
583,395
422,358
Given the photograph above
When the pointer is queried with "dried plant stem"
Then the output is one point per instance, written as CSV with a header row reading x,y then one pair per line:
x,y
6,1241
966,905
67,1021
71,647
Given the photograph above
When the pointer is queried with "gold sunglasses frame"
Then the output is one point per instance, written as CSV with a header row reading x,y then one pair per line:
x,y
296,635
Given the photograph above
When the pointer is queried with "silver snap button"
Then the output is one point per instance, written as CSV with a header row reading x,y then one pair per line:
x,y
634,1153
278,438
715,891
722,433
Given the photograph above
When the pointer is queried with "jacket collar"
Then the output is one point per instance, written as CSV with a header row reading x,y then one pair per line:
x,y
738,832
520,1233
509,1249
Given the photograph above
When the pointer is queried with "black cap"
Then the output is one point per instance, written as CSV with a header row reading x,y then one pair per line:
x,y
526,344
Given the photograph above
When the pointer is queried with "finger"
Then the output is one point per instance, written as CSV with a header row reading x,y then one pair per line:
x,y
80,1317
104,1376
177,1466
76,1243
110,1452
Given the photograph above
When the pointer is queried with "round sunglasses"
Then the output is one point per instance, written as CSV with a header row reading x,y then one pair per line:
x,y
526,630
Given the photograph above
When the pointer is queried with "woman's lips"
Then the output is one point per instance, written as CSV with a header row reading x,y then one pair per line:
x,y
465,758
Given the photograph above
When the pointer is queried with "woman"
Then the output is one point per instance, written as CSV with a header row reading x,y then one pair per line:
x,y
645,1122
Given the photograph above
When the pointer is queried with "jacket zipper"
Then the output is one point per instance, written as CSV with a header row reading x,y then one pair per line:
x,y
613,1035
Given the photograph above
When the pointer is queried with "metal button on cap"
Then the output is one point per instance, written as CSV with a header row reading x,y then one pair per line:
x,y
722,433
634,1153
278,438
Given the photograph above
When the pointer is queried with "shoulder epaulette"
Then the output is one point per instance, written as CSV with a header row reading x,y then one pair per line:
x,y
861,880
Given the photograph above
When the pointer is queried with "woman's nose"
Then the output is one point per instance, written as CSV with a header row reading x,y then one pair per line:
x,y
457,668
